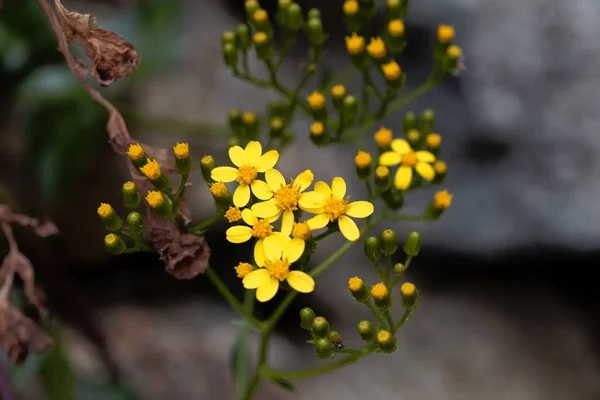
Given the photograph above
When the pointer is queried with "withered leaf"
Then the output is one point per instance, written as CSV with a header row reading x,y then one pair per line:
x,y
112,57
42,227
20,335
184,254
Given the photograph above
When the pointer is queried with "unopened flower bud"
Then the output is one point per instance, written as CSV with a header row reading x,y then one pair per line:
x,y
410,295
338,92
441,201
114,244
137,155
393,75
235,121
207,164
251,7
334,336
307,316
131,195
445,33
228,38
409,122
352,18
355,45
109,216
372,249
358,289
262,44
317,133
230,55
383,138
275,127
350,108
160,204
154,174
383,178
183,162
320,327
389,243
250,121
440,169
413,137
453,54
316,103
324,348
376,49
363,164
386,341
366,330
399,268
412,245
135,222
394,9
294,18
313,13
433,142
260,20
242,37
314,31
243,269
221,194
381,296
427,121
396,28
393,199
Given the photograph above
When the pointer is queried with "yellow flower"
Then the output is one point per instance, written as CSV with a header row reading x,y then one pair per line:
x,y
287,198
383,137
362,159
316,100
396,28
391,70
440,167
355,44
250,162
181,150
276,269
442,199
351,7
151,170
105,210
258,228
445,33
233,214
243,269
135,152
408,159
335,207
376,48
218,189
454,52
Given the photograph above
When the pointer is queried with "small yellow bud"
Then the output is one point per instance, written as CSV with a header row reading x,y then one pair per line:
x,y
260,16
338,91
355,284
358,289
260,38
383,178
105,210
440,167
379,291
408,289
442,199
155,199
131,195
301,231
233,214
114,243
316,100
386,341
445,33
355,44
383,137
382,172
433,140
243,269
218,189
151,170
409,294
376,48
351,7
383,336
181,150
396,28
363,159
391,70
413,136
454,52
135,152
317,129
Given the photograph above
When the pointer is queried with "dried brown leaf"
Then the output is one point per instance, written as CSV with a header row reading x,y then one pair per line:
x,y
42,227
112,57
20,335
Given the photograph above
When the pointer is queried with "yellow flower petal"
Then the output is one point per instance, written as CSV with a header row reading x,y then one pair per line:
x,y
267,290
425,156
273,246
389,159
315,211
301,282
318,222
348,228
259,253
400,146
249,217
338,187
360,209
303,180
224,174
293,250
323,187
403,177
253,153
239,234
274,179
311,200
238,156
425,170
267,161
266,209
261,190
256,278
241,196
287,222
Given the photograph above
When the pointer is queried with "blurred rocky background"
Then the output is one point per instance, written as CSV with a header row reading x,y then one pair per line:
x,y
509,304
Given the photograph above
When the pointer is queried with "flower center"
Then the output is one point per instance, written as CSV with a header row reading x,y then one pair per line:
x,y
409,159
246,175
335,208
261,229
279,269
301,231
287,197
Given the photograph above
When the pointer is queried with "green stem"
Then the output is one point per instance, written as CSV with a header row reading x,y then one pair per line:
x,y
323,235
202,226
307,373
370,84
388,269
181,187
376,313
230,298
241,378
260,364
403,320
390,320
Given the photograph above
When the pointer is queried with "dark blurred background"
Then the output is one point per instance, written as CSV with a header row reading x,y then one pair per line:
x,y
509,301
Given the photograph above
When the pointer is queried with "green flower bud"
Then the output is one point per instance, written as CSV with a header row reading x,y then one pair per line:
x,y
251,7
114,244
414,137
399,268
250,121
410,295
279,108
314,13
230,55
366,330
135,223
207,164
275,127
358,289
161,205
260,19
235,122
412,245
294,18
284,5
352,16
320,327
314,31
440,169
221,194
381,296
242,36
389,243
409,122
397,8
317,133
363,162
324,348
338,93
350,108
386,341
427,122
307,316
183,161
228,38
334,336
393,199
383,178
109,216
372,249
131,195
262,42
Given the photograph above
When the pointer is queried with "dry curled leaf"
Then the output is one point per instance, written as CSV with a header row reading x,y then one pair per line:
x,y
42,227
112,57
184,254
19,335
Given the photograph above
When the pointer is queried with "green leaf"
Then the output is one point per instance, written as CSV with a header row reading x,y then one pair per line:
x,y
240,362
56,372
285,384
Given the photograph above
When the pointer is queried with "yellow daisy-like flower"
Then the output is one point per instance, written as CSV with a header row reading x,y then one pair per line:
x,y
249,162
258,228
276,269
408,159
287,198
335,207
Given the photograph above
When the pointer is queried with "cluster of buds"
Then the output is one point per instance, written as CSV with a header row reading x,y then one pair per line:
x,y
326,341
447,55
